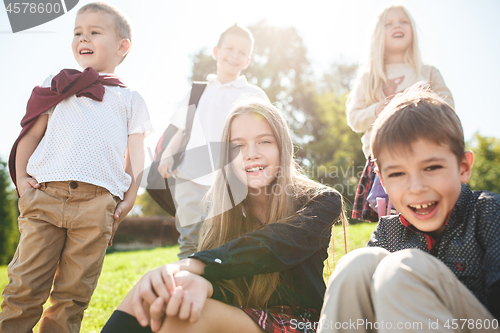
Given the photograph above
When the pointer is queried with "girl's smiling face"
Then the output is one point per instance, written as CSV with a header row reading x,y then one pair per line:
x,y
258,157
398,34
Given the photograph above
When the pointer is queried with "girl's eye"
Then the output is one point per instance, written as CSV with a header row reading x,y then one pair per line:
x,y
433,167
265,141
236,146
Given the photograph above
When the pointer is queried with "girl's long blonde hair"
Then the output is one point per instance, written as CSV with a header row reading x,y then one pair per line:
x,y
227,209
372,71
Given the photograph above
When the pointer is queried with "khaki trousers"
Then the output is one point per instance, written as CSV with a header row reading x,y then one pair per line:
x,y
65,228
373,290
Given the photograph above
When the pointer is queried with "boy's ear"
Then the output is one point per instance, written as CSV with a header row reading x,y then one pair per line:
x,y
466,166
215,52
124,47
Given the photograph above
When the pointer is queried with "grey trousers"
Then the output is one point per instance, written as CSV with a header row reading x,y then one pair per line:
x,y
189,212
373,290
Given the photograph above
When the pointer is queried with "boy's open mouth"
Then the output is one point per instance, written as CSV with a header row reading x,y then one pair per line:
x,y
423,209
86,52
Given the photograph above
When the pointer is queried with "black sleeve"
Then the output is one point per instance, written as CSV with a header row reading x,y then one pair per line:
x,y
277,246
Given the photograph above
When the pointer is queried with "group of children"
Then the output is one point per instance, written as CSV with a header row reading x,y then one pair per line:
x,y
255,263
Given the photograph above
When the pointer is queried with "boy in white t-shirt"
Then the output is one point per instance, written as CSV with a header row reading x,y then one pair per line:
x,y
75,165
192,177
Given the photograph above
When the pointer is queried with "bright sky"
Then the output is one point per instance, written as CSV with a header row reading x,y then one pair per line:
x,y
461,38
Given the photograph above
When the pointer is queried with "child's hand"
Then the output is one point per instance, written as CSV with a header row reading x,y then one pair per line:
x,y
186,300
166,165
25,183
154,288
392,86
121,210
196,291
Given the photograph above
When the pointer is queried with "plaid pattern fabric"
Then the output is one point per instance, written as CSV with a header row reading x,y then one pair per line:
x,y
361,210
285,319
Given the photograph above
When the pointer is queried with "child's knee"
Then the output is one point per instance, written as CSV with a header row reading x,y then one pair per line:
x,y
400,268
359,262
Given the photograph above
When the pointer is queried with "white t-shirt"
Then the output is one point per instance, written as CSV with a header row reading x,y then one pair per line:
x,y
86,140
209,120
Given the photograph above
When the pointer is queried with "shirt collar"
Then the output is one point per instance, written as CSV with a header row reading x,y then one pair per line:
x,y
240,82
430,240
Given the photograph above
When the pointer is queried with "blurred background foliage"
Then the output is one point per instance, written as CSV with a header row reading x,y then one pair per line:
x,y
314,106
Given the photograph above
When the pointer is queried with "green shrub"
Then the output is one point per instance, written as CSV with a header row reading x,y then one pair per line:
x,y
9,233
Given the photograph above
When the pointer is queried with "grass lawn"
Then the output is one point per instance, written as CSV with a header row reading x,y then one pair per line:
x,y
123,269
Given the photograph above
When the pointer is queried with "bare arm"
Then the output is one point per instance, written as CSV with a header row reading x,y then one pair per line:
x,y
134,166
167,159
25,149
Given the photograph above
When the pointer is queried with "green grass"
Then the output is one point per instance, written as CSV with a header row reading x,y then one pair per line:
x,y
123,269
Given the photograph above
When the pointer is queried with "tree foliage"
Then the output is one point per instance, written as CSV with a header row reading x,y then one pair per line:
x,y
9,234
149,207
333,155
486,169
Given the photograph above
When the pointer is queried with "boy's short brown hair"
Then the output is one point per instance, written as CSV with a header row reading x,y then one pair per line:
x,y
417,113
122,25
238,30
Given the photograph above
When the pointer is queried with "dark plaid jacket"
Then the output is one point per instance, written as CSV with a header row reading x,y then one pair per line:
x,y
469,245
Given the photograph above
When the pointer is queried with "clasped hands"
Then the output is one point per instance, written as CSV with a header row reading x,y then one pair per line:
x,y
172,292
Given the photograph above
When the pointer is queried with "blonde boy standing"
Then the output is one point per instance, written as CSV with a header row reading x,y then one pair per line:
x,y
74,183
192,177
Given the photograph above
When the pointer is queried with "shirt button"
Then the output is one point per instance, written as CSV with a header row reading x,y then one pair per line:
x,y
217,260
73,185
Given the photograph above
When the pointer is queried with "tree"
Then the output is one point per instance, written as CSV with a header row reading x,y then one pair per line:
x,y
9,234
333,154
331,150
486,169
149,207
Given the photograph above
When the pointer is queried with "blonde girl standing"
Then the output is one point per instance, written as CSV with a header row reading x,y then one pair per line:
x,y
393,63
261,252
